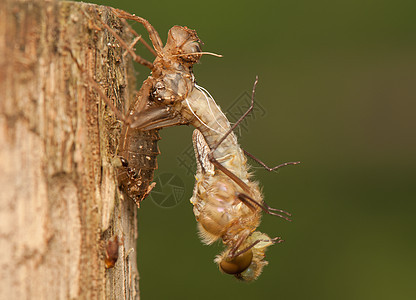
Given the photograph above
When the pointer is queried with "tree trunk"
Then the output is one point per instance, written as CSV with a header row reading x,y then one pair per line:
x,y
59,203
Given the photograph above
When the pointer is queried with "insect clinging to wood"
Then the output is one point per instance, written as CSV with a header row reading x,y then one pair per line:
x,y
227,203
138,148
177,100
224,212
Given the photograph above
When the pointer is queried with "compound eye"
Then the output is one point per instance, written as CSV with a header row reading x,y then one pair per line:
x,y
237,264
192,48
196,48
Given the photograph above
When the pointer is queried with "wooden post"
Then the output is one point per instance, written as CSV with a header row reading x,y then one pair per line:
x,y
59,203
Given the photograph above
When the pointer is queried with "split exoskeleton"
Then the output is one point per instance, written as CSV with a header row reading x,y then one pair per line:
x,y
138,147
227,203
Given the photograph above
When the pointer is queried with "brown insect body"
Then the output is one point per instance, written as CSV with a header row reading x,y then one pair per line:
x,y
178,100
227,204
221,214
111,252
138,149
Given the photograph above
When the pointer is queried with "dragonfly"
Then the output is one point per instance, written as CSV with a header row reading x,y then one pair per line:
x,y
227,202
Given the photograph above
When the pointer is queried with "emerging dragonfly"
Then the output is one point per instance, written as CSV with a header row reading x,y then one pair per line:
x,y
224,211
227,203
138,148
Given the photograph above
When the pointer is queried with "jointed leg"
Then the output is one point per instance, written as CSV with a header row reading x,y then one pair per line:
x,y
247,200
267,167
246,152
138,37
136,57
239,120
154,36
276,240
239,242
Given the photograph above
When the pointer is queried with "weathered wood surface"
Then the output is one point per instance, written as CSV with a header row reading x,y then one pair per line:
x,y
59,204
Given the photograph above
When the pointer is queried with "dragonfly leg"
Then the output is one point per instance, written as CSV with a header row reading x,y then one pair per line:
x,y
154,36
266,166
246,152
234,249
136,58
267,209
138,38
239,120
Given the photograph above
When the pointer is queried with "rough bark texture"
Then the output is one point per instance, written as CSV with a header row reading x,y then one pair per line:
x,y
59,204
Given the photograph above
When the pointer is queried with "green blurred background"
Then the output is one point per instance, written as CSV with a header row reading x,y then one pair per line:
x,y
337,83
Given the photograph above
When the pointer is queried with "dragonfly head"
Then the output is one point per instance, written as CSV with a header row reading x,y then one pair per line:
x,y
248,265
184,44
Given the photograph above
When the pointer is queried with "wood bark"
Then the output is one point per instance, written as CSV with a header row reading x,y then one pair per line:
x,y
59,203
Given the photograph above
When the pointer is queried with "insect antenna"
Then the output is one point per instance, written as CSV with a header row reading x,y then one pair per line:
x,y
199,53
